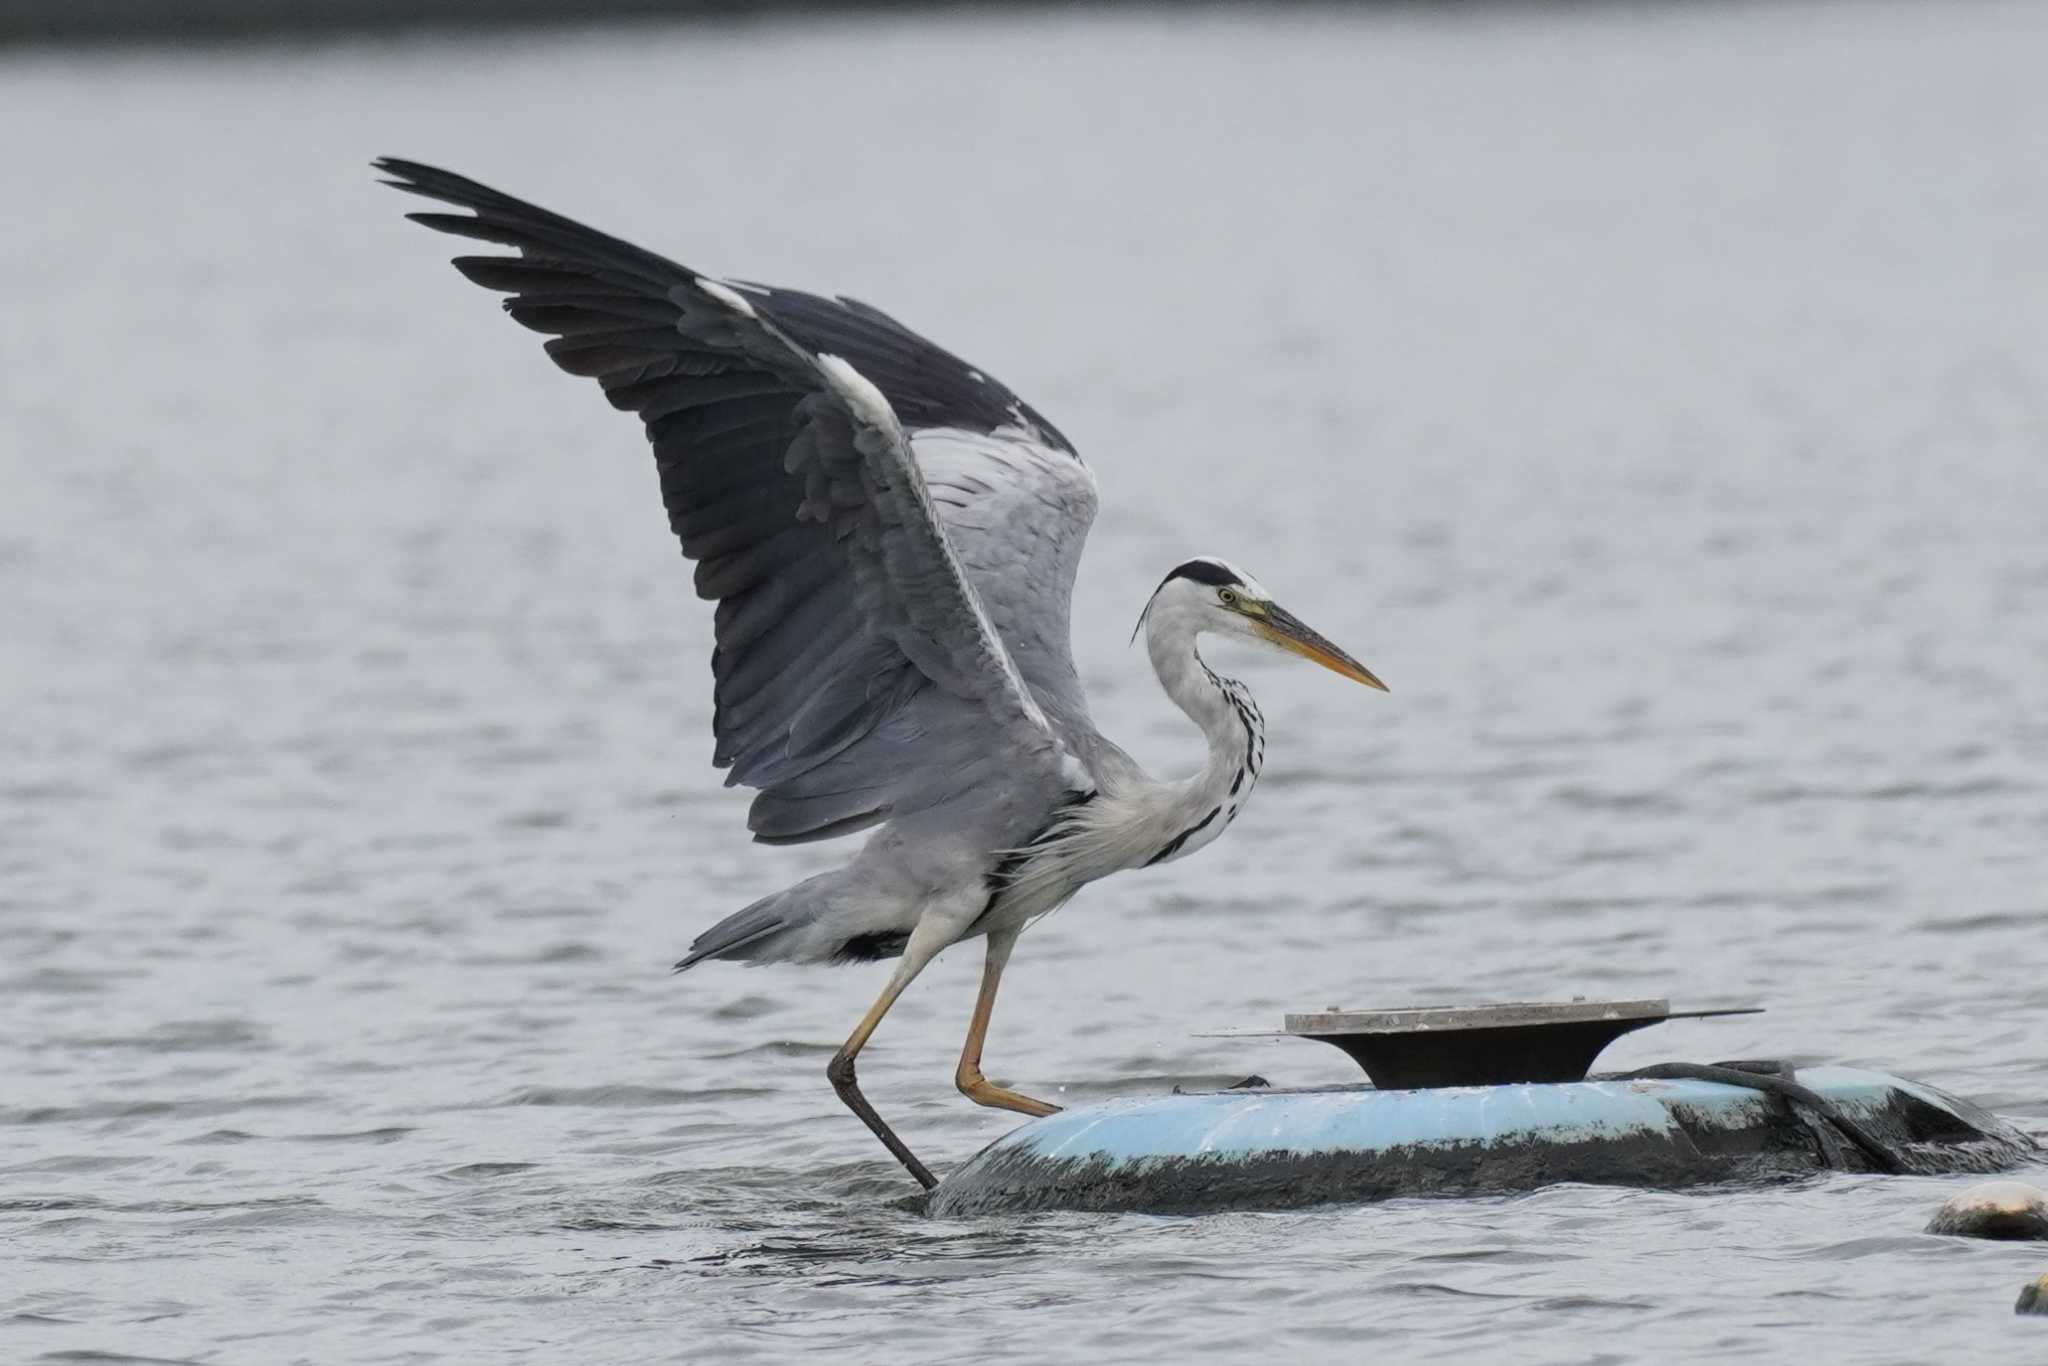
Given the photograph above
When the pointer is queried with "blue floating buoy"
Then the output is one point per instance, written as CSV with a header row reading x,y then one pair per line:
x,y
1281,1149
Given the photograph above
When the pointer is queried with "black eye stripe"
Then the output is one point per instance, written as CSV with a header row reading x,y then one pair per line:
x,y
1205,572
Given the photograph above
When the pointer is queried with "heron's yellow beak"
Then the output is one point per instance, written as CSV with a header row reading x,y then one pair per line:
x,y
1292,634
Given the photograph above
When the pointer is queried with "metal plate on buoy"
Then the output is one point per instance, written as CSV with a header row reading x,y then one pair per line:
x,y
1419,1047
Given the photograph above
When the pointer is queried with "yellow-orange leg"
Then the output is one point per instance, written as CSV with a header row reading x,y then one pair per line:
x,y
925,942
972,1084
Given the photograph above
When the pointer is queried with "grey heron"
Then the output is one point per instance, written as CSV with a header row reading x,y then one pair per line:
x,y
891,538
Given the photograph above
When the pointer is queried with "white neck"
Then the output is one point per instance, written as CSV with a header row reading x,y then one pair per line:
x,y
1133,821
1230,722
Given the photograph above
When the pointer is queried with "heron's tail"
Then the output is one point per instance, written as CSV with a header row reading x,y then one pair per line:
x,y
822,919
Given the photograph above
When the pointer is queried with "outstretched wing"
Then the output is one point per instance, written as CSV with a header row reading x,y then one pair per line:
x,y
1014,497
854,659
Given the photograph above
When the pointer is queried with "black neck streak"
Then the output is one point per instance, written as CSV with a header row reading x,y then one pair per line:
x,y
1248,716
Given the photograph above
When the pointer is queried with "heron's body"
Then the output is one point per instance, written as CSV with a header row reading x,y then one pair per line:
x,y
1040,843
891,537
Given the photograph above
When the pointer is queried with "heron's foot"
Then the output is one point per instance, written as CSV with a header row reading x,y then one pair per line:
x,y
982,1091
840,1072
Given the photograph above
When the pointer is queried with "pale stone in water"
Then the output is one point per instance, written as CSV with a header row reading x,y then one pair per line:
x,y
2034,1297
1994,1209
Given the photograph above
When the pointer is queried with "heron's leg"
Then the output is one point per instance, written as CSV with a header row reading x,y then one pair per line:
x,y
926,940
972,1084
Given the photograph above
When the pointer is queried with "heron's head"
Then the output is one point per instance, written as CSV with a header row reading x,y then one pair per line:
x,y
1208,594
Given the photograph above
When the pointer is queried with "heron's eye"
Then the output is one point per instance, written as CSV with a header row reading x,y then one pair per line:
x,y
1228,597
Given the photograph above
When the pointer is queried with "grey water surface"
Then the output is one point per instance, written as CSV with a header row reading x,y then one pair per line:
x,y
1657,397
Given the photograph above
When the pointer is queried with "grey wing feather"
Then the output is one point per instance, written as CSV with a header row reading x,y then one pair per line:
x,y
1017,511
1015,498
852,648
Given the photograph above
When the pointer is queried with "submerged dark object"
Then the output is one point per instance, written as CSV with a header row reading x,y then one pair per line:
x,y
1472,1100
1484,1045
2033,1296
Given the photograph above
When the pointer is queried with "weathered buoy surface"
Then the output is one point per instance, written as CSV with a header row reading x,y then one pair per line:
x,y
1282,1149
2010,1210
